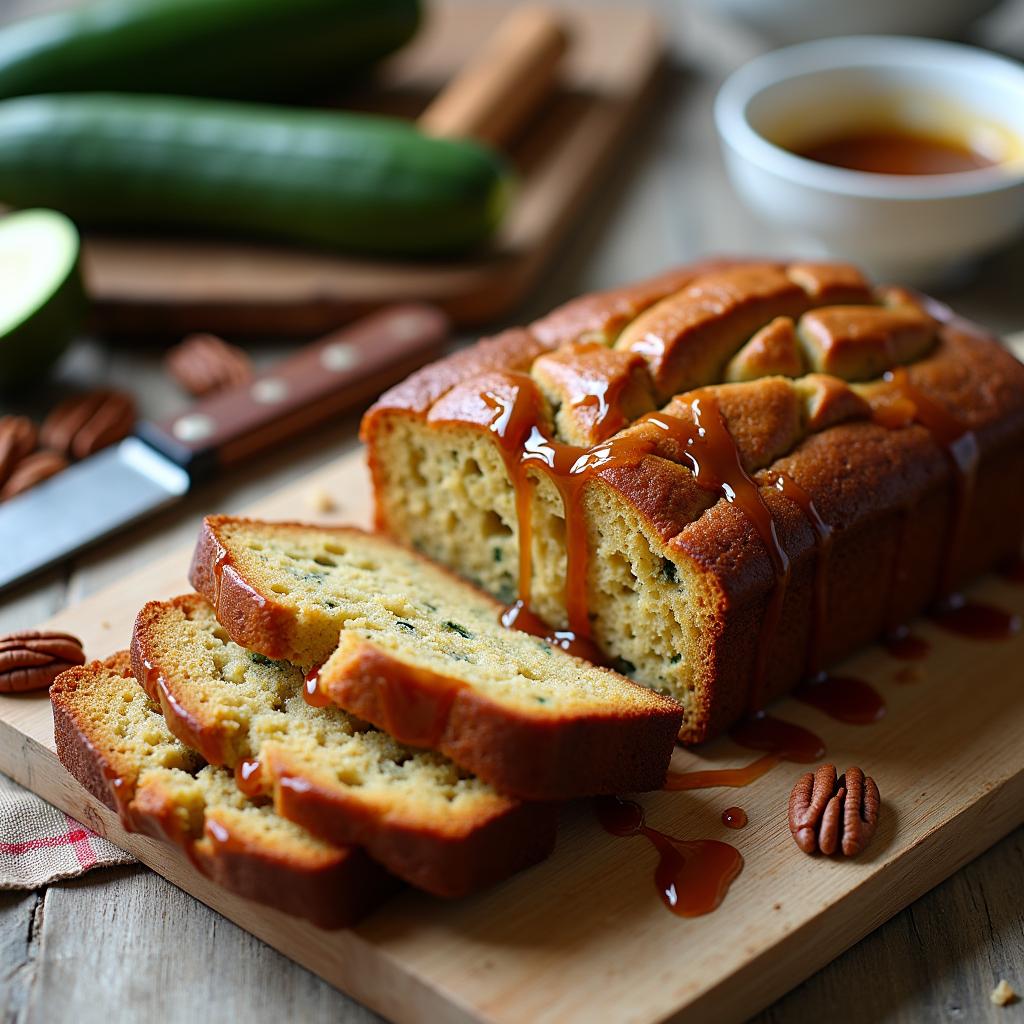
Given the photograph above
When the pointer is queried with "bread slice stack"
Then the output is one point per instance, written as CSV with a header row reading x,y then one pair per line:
x,y
331,712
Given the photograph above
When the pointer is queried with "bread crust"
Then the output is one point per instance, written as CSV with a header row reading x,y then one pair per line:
x,y
440,864
625,749
469,851
868,481
529,757
332,891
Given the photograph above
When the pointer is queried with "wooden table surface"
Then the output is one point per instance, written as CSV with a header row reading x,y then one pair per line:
x,y
123,944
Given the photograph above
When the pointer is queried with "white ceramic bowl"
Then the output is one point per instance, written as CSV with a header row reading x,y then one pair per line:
x,y
914,228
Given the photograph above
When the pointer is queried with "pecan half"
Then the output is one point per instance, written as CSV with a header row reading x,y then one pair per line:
x,y
204,363
84,424
830,814
32,470
18,438
31,660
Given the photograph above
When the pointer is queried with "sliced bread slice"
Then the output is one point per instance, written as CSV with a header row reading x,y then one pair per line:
x,y
422,654
415,811
111,738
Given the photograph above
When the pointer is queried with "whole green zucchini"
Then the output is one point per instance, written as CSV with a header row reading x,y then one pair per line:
x,y
243,49
335,179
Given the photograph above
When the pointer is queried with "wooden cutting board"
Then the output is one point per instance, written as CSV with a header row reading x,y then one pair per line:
x,y
584,936
154,285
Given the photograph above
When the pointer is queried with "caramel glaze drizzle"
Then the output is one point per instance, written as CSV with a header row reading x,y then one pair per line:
x,y
901,643
823,535
709,451
844,698
734,817
167,825
693,875
711,778
311,692
249,777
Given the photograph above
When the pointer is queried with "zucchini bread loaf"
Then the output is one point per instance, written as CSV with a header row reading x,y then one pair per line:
x,y
720,480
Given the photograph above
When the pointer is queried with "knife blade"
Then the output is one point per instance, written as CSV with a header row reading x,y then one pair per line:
x,y
161,462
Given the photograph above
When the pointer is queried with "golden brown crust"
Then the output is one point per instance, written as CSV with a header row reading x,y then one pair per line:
x,y
774,349
437,863
580,754
620,748
252,619
506,834
602,315
867,480
332,888
688,337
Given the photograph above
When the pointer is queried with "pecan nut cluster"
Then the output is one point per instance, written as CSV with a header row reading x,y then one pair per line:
x,y
31,660
32,470
830,814
204,363
18,437
80,426
83,424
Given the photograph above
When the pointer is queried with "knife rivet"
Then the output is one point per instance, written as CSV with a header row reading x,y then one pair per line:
x,y
406,326
339,356
269,391
193,427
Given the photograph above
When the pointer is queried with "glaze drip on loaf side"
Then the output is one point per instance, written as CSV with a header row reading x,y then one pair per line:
x,y
870,443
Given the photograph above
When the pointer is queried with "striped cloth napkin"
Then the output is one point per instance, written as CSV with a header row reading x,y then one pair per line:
x,y
39,844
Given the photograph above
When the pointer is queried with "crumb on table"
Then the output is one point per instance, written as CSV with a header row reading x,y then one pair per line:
x,y
1003,994
321,501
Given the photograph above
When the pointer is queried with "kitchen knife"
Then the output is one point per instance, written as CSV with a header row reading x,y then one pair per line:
x,y
162,461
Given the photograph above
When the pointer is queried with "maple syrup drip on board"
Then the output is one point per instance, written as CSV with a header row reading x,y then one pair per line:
x,y
311,689
787,740
975,620
712,777
901,643
735,817
248,777
823,534
692,875
844,698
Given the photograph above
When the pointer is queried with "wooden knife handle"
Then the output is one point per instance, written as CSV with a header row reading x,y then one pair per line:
x,y
498,90
321,380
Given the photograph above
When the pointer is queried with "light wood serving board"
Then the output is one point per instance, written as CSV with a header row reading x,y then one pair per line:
x,y
584,937
145,285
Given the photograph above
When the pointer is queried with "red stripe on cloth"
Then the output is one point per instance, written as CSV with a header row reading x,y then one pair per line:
x,y
38,844
81,842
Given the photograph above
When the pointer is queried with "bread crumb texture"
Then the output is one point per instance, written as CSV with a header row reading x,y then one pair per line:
x,y
252,707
